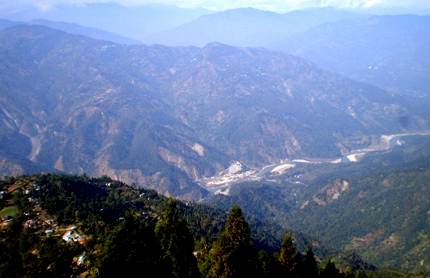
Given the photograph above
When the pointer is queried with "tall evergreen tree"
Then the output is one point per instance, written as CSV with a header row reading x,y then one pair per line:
x,y
309,266
233,254
289,258
330,271
132,250
177,243
269,266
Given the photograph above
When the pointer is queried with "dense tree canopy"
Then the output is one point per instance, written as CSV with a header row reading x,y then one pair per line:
x,y
121,231
177,243
132,248
233,254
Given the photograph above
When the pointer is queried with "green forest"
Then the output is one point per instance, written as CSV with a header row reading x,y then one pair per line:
x,y
77,226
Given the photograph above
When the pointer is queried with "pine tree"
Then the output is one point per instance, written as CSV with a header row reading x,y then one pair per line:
x,y
233,254
289,258
132,249
330,271
177,243
309,266
269,266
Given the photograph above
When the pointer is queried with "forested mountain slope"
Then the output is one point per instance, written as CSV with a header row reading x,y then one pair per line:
x,y
376,207
79,226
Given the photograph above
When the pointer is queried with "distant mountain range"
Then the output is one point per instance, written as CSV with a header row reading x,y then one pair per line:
x,y
388,51
247,27
168,25
72,28
136,22
167,117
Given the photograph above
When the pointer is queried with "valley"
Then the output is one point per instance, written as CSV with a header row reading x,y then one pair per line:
x,y
170,117
376,207
239,173
118,121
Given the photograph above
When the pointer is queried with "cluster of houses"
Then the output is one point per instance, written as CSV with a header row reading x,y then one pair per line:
x,y
49,225
36,220
72,235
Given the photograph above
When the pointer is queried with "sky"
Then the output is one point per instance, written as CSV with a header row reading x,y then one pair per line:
x,y
272,5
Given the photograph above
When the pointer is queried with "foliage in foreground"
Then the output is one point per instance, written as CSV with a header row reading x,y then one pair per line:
x,y
67,226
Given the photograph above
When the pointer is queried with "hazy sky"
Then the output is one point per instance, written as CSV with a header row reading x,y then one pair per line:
x,y
273,5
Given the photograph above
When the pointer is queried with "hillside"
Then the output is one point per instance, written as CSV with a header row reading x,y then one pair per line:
x,y
68,222
77,29
167,117
80,226
71,28
387,51
376,207
76,217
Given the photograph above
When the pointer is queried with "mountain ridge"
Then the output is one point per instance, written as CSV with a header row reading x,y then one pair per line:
x,y
247,27
165,117
392,50
135,22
